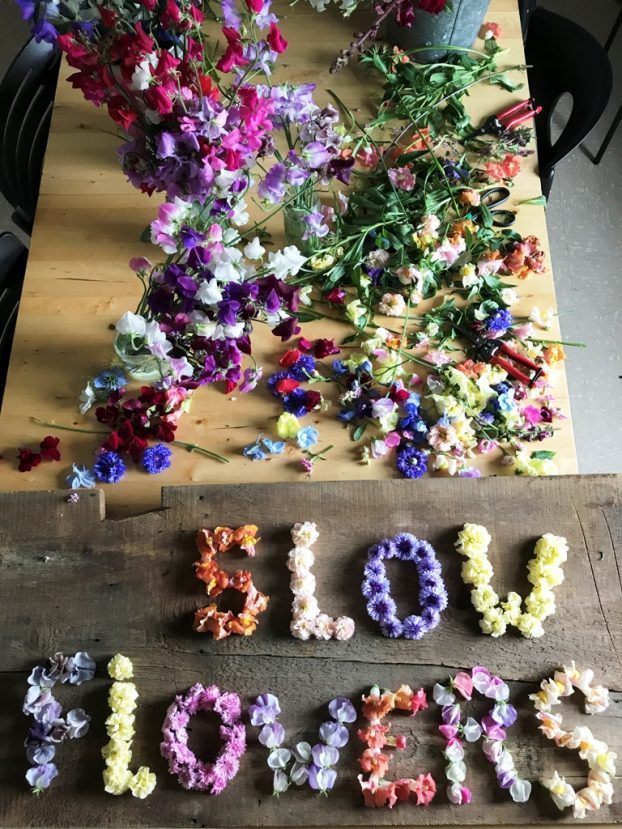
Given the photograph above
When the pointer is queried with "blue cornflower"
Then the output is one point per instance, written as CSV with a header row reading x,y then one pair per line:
x,y
109,467
303,368
156,458
294,402
275,447
81,478
307,437
486,418
375,586
411,462
112,379
501,320
339,368
346,415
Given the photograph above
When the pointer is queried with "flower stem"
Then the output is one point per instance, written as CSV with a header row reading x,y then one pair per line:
x,y
189,447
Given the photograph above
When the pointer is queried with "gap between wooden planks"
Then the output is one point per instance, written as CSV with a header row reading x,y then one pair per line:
x,y
72,580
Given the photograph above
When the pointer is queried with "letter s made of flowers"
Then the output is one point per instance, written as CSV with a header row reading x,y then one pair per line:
x,y
223,623
600,760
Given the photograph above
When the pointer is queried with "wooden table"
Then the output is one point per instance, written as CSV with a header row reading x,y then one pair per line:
x,y
78,284
71,580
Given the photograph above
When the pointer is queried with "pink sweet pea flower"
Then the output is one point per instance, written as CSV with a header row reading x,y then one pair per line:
x,y
532,414
419,701
448,731
402,178
463,683
276,40
392,440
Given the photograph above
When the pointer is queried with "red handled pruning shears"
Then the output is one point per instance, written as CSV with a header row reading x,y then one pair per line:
x,y
509,118
489,351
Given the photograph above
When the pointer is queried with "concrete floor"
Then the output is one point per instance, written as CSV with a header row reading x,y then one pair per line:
x,y
585,227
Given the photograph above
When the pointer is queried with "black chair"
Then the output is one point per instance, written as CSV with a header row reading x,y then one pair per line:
x,y
525,9
13,256
26,101
564,58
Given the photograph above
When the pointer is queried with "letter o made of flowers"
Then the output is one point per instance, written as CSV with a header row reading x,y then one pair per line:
x,y
376,586
192,773
600,760
223,623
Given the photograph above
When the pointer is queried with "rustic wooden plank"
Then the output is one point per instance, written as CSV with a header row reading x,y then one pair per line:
x,y
128,586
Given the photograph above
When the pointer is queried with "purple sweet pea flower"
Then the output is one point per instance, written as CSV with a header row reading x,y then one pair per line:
x,y
324,756
38,754
265,711
316,155
40,777
504,714
334,734
342,710
451,714
272,735
506,779
492,729
314,226
78,722
272,188
321,779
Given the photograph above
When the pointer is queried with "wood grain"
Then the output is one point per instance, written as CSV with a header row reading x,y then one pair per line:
x,y
71,580
78,284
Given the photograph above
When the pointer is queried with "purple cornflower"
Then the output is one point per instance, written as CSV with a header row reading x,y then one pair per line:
x,y
376,587
412,462
380,607
156,458
500,321
109,468
392,627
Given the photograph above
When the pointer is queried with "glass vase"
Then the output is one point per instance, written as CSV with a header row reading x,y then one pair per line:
x,y
294,223
139,363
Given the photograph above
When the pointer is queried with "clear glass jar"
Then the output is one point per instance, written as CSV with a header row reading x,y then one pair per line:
x,y
139,363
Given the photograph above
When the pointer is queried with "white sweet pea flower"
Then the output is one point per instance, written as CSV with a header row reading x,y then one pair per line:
x,y
209,292
131,324
520,791
509,296
285,262
141,76
153,333
230,237
86,399
472,730
562,793
240,216
254,249
227,272
456,772
443,695
234,331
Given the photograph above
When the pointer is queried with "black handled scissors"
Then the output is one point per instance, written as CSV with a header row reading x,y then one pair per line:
x,y
492,199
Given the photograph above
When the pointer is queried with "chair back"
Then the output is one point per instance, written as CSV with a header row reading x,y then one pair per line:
x,y
13,257
26,101
564,58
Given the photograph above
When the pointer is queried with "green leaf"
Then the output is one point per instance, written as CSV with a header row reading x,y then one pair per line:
x,y
349,339
543,455
537,200
145,235
358,433
505,82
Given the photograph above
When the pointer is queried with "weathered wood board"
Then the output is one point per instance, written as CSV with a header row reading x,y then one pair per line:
x,y
72,580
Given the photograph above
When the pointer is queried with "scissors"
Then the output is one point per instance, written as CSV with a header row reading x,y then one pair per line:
x,y
492,199
499,353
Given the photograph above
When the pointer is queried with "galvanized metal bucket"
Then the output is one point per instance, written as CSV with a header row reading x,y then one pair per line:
x,y
458,27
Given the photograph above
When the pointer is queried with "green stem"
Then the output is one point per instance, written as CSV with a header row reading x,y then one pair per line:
x,y
189,447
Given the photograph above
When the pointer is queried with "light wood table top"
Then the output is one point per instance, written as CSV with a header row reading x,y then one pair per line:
x,y
78,284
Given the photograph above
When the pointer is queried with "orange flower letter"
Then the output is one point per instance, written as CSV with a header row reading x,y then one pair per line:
x,y
374,762
223,623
